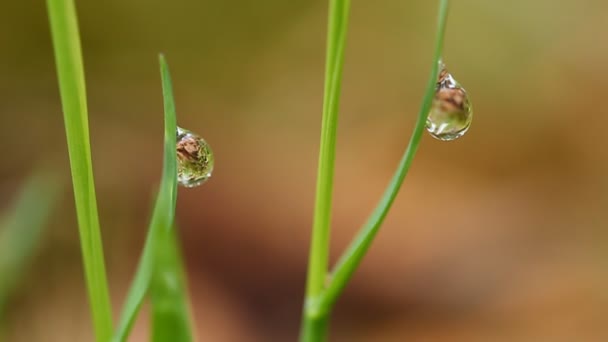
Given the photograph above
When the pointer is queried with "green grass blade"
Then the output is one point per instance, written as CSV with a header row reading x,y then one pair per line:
x,y
168,292
70,71
353,255
313,327
22,229
336,42
162,216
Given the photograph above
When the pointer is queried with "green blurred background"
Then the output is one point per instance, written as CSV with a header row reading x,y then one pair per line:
x,y
499,236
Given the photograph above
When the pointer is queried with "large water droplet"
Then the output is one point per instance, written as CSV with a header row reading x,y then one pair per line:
x,y
194,159
451,112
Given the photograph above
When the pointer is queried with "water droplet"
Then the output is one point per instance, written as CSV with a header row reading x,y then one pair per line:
x,y
194,159
451,112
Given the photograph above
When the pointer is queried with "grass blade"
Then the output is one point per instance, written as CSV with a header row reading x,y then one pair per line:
x,y
22,229
168,292
70,71
162,216
353,255
313,327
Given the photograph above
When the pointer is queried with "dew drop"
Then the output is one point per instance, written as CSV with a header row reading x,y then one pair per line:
x,y
194,159
451,111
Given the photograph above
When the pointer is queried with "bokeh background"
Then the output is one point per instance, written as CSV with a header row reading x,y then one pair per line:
x,y
499,236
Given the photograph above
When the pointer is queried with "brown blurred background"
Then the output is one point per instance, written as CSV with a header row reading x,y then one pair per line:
x,y
499,236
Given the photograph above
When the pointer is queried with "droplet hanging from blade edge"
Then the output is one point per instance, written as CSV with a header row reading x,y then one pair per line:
x,y
451,112
194,159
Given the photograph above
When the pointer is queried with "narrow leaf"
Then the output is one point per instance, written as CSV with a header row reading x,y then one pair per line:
x,y
162,216
22,228
170,310
70,72
353,255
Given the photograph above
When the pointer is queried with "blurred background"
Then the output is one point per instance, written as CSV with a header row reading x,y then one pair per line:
x,y
498,236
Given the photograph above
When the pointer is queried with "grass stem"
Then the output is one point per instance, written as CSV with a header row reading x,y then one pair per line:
x,y
314,327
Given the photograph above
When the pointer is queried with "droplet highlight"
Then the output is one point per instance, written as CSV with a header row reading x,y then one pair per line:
x,y
451,111
194,159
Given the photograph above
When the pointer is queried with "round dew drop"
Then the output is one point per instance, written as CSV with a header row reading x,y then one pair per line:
x,y
451,111
194,159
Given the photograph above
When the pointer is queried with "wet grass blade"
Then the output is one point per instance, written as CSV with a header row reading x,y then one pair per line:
x,y
22,228
162,216
168,292
70,72
353,255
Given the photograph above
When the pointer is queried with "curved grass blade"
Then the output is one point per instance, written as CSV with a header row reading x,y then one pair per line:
x,y
70,71
353,255
162,216
168,293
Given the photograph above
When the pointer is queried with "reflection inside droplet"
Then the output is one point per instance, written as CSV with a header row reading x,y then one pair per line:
x,y
451,111
194,159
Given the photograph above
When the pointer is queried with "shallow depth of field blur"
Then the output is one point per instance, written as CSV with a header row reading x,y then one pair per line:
x,y
499,236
